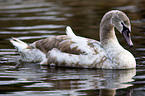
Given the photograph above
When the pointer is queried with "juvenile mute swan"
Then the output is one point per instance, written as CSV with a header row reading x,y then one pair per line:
x,y
75,51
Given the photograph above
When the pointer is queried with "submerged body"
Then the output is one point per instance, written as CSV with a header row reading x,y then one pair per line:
x,y
75,51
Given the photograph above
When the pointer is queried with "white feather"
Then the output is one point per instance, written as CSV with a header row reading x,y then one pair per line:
x,y
29,55
20,45
69,32
81,42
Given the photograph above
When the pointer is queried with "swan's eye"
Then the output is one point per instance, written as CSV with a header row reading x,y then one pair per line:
x,y
125,22
125,29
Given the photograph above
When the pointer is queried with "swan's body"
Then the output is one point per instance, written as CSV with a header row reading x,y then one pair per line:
x,y
74,51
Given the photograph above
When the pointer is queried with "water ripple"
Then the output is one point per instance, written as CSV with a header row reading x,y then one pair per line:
x,y
27,6
49,13
140,49
27,10
37,27
4,53
27,32
51,18
131,8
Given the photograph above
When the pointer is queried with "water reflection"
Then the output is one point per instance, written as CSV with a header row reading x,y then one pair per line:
x,y
109,82
33,77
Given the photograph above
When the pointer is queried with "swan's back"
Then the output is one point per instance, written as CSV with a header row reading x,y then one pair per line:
x,y
65,44
62,43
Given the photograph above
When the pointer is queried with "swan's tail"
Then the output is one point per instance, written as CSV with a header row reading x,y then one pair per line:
x,y
20,45
27,54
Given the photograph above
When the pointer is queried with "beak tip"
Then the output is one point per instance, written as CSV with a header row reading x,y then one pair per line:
x,y
131,46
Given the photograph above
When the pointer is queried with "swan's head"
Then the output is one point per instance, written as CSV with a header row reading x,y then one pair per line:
x,y
122,23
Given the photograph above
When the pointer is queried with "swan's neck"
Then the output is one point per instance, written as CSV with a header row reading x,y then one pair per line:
x,y
107,35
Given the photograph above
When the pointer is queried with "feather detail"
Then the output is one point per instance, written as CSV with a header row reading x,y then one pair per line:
x,y
69,32
20,45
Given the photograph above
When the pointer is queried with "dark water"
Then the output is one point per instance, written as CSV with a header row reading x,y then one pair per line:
x,y
31,20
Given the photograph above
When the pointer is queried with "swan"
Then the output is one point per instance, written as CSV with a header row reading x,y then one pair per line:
x,y
75,51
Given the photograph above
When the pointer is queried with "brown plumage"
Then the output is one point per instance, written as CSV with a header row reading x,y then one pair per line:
x,y
62,43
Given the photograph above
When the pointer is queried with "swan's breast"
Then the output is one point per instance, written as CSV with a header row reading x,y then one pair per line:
x,y
121,58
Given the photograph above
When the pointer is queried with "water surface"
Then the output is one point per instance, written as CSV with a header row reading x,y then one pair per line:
x,y
31,20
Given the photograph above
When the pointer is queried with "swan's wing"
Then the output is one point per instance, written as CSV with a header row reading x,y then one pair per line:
x,y
62,43
69,43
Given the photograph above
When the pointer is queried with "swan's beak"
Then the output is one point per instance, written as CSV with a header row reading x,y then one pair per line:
x,y
127,36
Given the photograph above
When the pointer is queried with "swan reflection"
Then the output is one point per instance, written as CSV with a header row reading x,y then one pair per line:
x,y
62,81
82,80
